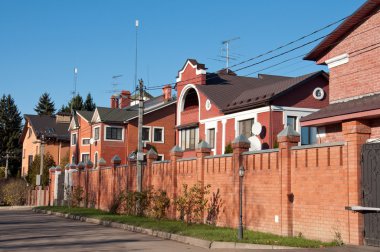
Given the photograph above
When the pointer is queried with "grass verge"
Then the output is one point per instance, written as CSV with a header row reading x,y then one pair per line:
x,y
201,231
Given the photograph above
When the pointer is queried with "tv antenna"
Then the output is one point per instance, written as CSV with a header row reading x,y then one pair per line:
x,y
115,82
74,92
226,43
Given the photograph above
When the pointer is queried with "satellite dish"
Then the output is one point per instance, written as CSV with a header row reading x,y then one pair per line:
x,y
256,128
92,140
255,143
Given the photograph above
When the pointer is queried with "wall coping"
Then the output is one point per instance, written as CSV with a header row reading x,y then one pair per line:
x,y
187,159
161,162
105,168
260,151
219,156
302,147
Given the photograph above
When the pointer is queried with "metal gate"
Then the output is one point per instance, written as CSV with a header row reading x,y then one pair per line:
x,y
371,192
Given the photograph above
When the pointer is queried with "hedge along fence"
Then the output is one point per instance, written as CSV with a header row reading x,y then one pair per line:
x,y
282,188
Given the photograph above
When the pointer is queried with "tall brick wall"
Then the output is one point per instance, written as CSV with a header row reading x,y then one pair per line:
x,y
289,191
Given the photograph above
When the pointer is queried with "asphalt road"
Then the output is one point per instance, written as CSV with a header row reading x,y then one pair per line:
x,y
23,230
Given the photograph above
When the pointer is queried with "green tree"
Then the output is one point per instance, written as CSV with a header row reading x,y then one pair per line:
x,y
35,169
45,105
10,131
64,109
89,104
76,103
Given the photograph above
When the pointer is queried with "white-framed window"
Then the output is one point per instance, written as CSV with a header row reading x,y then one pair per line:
x,y
160,157
211,137
85,141
146,133
292,122
308,135
85,157
114,133
96,159
73,138
189,138
158,135
96,133
245,127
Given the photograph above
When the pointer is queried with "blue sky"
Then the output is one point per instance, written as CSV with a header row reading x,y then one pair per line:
x,y
41,41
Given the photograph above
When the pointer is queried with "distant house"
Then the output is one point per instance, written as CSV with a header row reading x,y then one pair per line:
x,y
217,107
351,52
113,131
54,129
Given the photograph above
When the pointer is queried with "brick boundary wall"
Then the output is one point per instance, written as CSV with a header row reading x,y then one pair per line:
x,y
293,190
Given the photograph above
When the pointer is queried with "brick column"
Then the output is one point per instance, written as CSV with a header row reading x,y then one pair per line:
x,y
203,150
88,165
175,153
287,138
51,185
239,145
101,164
151,156
355,134
115,161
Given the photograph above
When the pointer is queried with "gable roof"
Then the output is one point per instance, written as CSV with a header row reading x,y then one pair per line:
x,y
87,115
232,93
47,125
116,115
345,28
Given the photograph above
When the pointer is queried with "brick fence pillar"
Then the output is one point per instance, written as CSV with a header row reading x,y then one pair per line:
x,y
203,150
175,153
51,185
287,138
81,167
355,134
151,156
101,164
115,161
88,165
239,145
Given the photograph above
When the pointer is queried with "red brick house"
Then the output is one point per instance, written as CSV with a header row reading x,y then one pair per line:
x,y
351,52
218,107
107,132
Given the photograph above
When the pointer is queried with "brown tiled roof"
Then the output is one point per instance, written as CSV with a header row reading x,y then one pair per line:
x,y
344,108
232,93
343,29
47,125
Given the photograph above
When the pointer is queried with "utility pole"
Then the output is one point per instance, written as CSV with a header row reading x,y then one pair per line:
x,y
39,181
140,156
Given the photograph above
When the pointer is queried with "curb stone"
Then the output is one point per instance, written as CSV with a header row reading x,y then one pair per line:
x,y
16,207
165,235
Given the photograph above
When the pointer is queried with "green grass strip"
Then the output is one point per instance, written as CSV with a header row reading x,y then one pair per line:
x,y
202,231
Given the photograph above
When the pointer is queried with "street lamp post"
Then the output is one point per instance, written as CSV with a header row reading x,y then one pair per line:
x,y
240,228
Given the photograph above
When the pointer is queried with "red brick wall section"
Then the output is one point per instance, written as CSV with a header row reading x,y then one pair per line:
x,y
302,96
322,179
360,75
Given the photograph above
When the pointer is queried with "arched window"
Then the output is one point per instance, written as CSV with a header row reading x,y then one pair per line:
x,y
191,100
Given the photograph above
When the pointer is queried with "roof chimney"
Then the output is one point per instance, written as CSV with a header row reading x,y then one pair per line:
x,y
125,99
115,101
167,91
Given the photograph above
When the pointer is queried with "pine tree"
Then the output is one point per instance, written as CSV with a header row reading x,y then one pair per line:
x,y
64,109
76,103
10,131
89,104
45,105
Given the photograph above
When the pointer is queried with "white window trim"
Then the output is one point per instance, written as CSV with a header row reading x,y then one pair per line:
x,y
211,125
150,134
162,156
196,140
242,118
84,139
71,138
113,140
100,131
163,134
84,153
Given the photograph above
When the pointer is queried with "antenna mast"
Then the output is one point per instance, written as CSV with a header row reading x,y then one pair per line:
x,y
137,26
74,92
227,44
